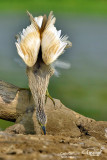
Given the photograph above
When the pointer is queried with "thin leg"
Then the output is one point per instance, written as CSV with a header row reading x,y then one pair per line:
x,y
48,95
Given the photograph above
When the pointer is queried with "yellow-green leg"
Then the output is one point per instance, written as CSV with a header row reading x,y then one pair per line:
x,y
48,95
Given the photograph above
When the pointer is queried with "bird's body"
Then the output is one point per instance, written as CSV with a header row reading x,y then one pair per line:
x,y
38,77
39,45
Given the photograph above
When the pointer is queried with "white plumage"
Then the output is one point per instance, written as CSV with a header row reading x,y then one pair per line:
x,y
28,44
52,43
41,32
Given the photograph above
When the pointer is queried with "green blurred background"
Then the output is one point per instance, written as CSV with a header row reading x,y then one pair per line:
x,y
83,87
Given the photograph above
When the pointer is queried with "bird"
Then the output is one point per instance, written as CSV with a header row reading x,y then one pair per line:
x,y
39,45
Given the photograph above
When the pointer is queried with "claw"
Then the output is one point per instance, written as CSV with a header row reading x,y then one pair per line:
x,y
48,95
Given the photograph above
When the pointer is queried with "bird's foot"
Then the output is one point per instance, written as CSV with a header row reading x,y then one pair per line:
x,y
48,95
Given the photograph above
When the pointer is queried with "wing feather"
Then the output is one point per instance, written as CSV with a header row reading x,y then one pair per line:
x,y
28,45
52,43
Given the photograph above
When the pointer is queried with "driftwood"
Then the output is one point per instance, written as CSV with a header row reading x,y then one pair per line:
x,y
17,105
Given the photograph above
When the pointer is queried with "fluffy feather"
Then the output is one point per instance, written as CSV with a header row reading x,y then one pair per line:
x,y
33,21
60,64
41,32
52,43
28,44
39,20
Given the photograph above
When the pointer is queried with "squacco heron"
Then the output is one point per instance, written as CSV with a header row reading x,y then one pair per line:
x,y
39,45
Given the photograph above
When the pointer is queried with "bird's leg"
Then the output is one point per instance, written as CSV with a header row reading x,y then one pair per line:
x,y
38,77
48,95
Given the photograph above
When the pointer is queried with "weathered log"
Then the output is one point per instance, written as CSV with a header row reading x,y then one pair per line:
x,y
17,105
13,101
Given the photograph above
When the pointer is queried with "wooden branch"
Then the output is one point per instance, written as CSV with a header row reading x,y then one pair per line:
x,y
17,104
13,101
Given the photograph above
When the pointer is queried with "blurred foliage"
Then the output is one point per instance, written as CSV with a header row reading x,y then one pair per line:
x,y
87,97
72,6
4,124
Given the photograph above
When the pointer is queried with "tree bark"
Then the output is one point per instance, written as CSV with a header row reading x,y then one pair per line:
x,y
13,101
17,104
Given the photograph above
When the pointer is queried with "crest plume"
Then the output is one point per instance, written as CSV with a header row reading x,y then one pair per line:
x,y
43,23
32,20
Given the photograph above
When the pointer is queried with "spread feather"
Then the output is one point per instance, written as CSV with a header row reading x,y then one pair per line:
x,y
52,43
28,45
41,32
